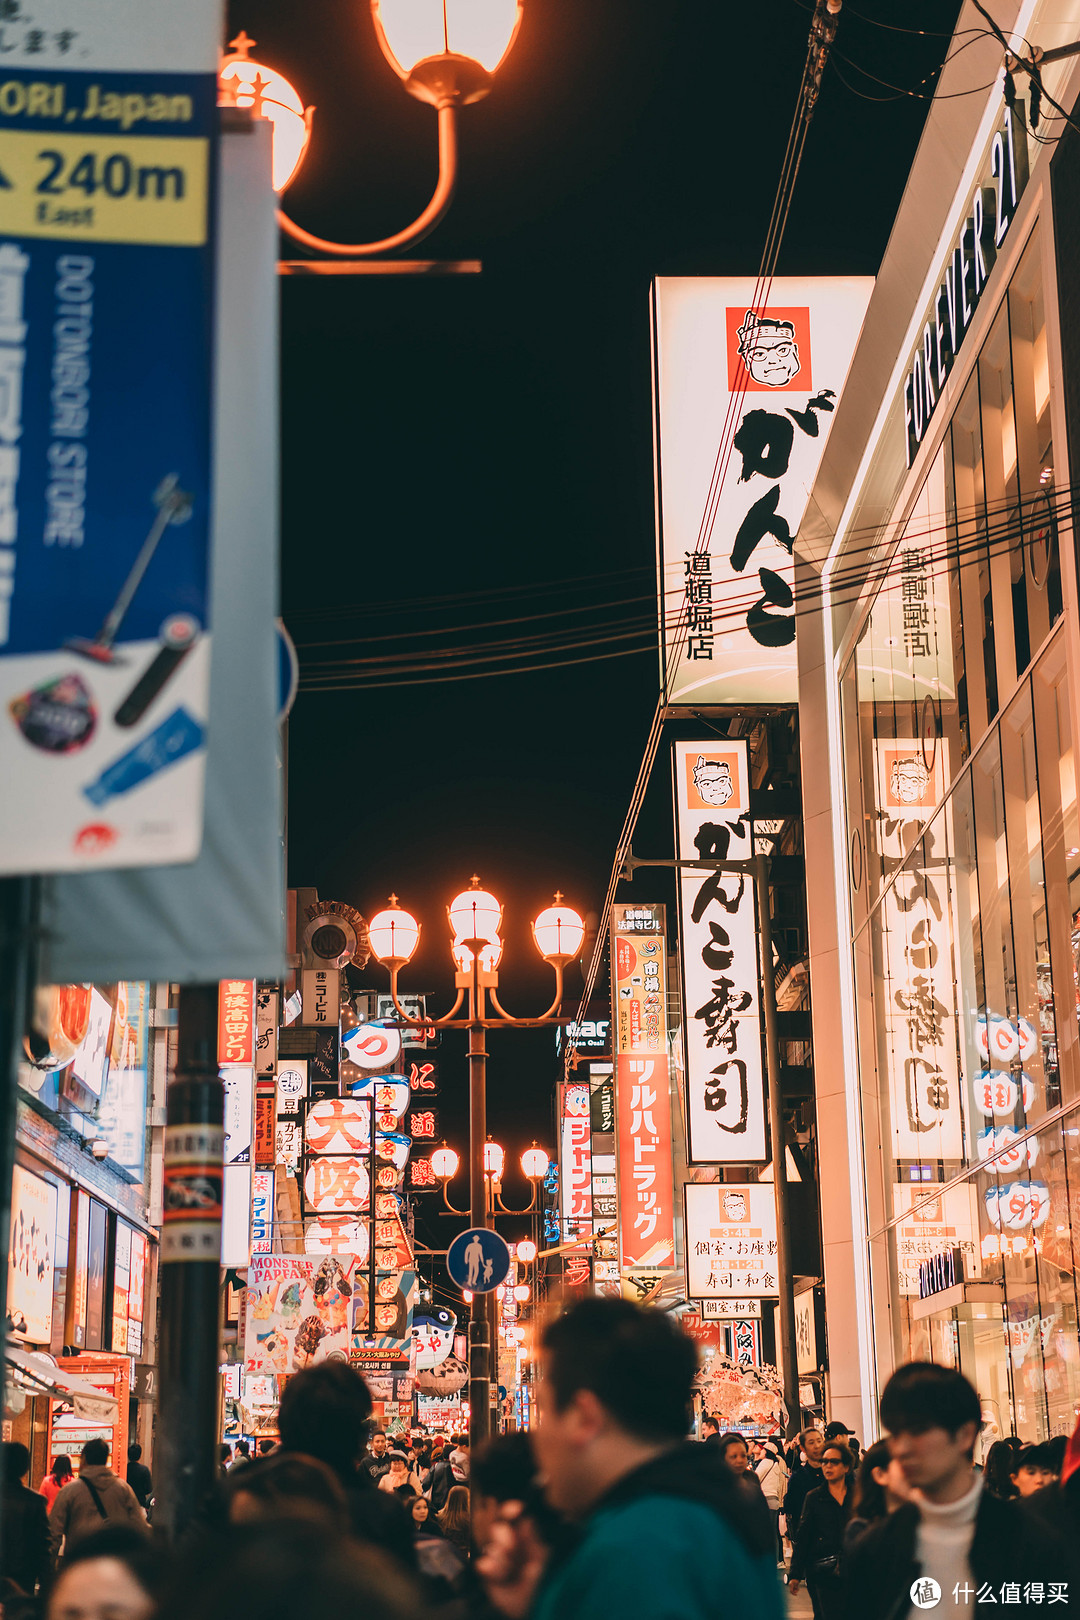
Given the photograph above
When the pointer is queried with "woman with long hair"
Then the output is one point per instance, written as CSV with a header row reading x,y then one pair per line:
x,y
880,1488
998,1467
60,1474
454,1518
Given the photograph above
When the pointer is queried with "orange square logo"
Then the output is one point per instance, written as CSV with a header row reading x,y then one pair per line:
x,y
714,781
768,351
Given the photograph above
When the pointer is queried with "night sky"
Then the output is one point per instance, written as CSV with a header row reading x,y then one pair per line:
x,y
465,451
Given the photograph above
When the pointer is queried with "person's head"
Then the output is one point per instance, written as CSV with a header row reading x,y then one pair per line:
x,y
265,1447
290,1570
998,1466
837,1431
95,1453
379,1443
1053,1451
134,1453
1031,1471
288,1486
837,1463
243,1448
224,1452
504,1470
399,1464
16,1461
616,1391
324,1413
709,1428
813,1443
61,1468
932,1415
880,1486
420,1508
734,1452
454,1517
114,1574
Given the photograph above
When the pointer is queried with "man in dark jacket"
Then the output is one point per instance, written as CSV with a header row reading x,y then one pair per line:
x,y
25,1528
325,1412
805,1477
138,1477
956,1545
661,1520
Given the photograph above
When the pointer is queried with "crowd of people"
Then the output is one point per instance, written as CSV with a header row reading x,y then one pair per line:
x,y
606,1509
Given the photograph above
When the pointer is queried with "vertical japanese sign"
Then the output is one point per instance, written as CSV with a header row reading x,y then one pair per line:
x,y
730,1240
107,121
236,1021
726,568
576,1145
645,1170
725,1093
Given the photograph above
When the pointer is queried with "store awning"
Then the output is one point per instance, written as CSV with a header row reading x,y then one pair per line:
x,y
36,1373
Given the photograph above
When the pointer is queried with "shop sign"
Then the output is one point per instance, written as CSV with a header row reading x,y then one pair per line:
x,y
339,1125
236,1021
645,1168
31,1256
591,1037
321,997
413,1006
239,1083
576,1176
267,1017
929,1225
68,1432
730,1240
725,1093
337,1185
136,1296
730,506
264,1129
107,148
299,1311
372,1047
993,208
390,1347
121,1287
722,1310
334,1234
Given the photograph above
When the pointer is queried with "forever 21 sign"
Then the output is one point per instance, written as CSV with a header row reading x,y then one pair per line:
x,y
993,208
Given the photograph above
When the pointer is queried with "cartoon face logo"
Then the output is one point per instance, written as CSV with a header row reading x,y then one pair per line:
x,y
735,1206
769,350
712,779
909,780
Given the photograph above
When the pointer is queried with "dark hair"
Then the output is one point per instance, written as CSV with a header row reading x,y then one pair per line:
x,y
325,1412
835,1429
1033,1456
224,1451
505,1468
1054,1451
998,1467
95,1452
710,1423
413,1500
243,1449
143,1557
61,1468
847,1456
454,1517
869,1501
16,1461
288,1485
637,1362
726,1441
922,1395
289,1570
265,1447
134,1453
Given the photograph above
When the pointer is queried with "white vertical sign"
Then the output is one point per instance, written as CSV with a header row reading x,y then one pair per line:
x,y
725,1100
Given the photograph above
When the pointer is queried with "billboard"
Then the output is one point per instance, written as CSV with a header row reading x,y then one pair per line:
x,y
30,1261
645,1174
106,257
731,1240
299,1311
576,1160
725,1094
744,397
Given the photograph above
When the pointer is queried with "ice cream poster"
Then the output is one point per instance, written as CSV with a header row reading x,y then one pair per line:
x,y
299,1311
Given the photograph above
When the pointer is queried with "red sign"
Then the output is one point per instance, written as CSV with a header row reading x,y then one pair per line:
x,y
236,1021
646,1170
264,1130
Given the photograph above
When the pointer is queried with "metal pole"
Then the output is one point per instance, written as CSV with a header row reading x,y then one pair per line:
x,y
785,1284
18,918
190,1268
479,1317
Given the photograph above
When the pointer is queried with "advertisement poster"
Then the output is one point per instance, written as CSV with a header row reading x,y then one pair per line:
x,y
725,1092
391,1349
644,1167
730,1240
727,532
136,1294
299,1311
107,130
30,1261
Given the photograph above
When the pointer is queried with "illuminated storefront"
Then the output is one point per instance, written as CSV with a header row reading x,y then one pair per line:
x,y
943,674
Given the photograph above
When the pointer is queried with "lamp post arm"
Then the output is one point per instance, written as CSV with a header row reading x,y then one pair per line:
x,y
529,1207
544,1018
462,1213
442,197
420,1023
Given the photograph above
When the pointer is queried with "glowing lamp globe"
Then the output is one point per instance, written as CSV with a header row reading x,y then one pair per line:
x,y
559,933
466,1296
475,915
244,83
522,1292
394,934
490,956
494,1160
526,1251
446,51
444,1162
534,1163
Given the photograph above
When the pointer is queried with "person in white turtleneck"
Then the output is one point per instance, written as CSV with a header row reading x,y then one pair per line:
x,y
952,1532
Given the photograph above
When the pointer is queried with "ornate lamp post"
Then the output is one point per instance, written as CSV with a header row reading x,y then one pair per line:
x,y
475,917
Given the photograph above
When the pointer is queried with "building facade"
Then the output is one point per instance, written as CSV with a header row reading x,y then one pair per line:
x,y
939,674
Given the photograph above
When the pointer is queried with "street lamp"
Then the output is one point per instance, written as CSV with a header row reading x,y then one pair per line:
x,y
444,1163
534,1163
475,918
446,53
526,1251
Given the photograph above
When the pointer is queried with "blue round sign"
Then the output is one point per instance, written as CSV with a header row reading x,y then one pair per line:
x,y
478,1260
